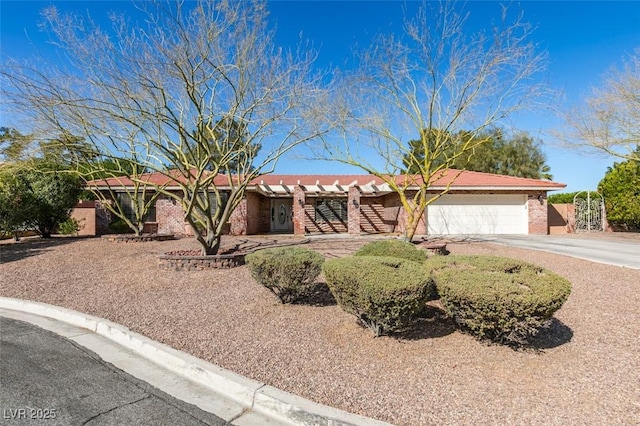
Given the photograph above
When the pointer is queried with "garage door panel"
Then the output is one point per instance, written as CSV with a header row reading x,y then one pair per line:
x,y
478,214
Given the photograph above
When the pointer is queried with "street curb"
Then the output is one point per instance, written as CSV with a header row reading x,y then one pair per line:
x,y
256,396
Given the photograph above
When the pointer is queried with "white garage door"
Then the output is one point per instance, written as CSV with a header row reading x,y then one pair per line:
x,y
478,214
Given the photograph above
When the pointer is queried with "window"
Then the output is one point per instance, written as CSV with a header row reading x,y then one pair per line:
x,y
213,206
129,209
331,210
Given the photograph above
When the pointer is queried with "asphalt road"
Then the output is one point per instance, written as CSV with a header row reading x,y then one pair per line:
x,y
624,253
46,379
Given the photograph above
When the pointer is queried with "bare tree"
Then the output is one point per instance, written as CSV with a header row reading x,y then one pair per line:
x,y
123,187
161,91
609,121
436,80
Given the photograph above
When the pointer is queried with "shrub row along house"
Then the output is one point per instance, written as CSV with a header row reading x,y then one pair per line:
x,y
476,203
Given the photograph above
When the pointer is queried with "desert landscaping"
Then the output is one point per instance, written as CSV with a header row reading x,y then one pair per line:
x,y
582,370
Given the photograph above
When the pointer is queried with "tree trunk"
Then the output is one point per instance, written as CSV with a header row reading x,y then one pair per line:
x,y
211,245
412,225
209,241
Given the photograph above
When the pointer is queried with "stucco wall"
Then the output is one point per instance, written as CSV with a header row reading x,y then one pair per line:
x,y
85,213
561,218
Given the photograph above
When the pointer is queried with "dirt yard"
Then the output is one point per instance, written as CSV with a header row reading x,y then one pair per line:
x,y
584,370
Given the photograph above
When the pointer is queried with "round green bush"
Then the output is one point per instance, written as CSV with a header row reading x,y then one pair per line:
x,y
70,226
393,248
501,299
288,272
385,293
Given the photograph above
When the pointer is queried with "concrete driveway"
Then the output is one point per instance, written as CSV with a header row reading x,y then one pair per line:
x,y
597,248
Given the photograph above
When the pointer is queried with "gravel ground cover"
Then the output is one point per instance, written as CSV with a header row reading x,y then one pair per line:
x,y
584,370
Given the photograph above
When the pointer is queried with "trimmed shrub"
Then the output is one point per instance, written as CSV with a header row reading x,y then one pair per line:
x,y
70,226
393,248
288,272
386,294
501,299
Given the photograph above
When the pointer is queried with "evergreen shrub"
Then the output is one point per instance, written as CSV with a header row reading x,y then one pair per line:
x,y
393,248
501,299
70,226
386,294
288,272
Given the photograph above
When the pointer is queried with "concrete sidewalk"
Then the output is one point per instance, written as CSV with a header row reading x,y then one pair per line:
x,y
154,377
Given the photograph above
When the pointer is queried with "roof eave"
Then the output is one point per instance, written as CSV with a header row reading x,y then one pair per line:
x,y
498,188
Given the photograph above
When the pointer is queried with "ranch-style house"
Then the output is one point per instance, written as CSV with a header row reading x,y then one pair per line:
x,y
476,203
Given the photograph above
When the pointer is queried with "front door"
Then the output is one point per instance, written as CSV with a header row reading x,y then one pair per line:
x,y
282,215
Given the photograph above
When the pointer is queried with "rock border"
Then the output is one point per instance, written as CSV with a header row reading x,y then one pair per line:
x,y
181,262
130,238
200,263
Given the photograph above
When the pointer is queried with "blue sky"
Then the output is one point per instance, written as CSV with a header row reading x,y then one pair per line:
x,y
583,40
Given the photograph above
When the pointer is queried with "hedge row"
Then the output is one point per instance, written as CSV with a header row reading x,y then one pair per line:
x,y
386,284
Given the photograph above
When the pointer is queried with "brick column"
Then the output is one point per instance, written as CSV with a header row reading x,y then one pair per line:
x,y
353,208
299,202
538,214
238,219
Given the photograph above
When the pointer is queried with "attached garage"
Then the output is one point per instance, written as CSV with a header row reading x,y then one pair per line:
x,y
481,214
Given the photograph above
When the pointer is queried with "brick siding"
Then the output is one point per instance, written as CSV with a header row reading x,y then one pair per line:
x,y
299,211
538,214
313,227
365,215
170,218
354,210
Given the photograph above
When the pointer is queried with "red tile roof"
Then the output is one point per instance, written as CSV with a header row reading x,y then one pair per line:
x,y
458,180
155,178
